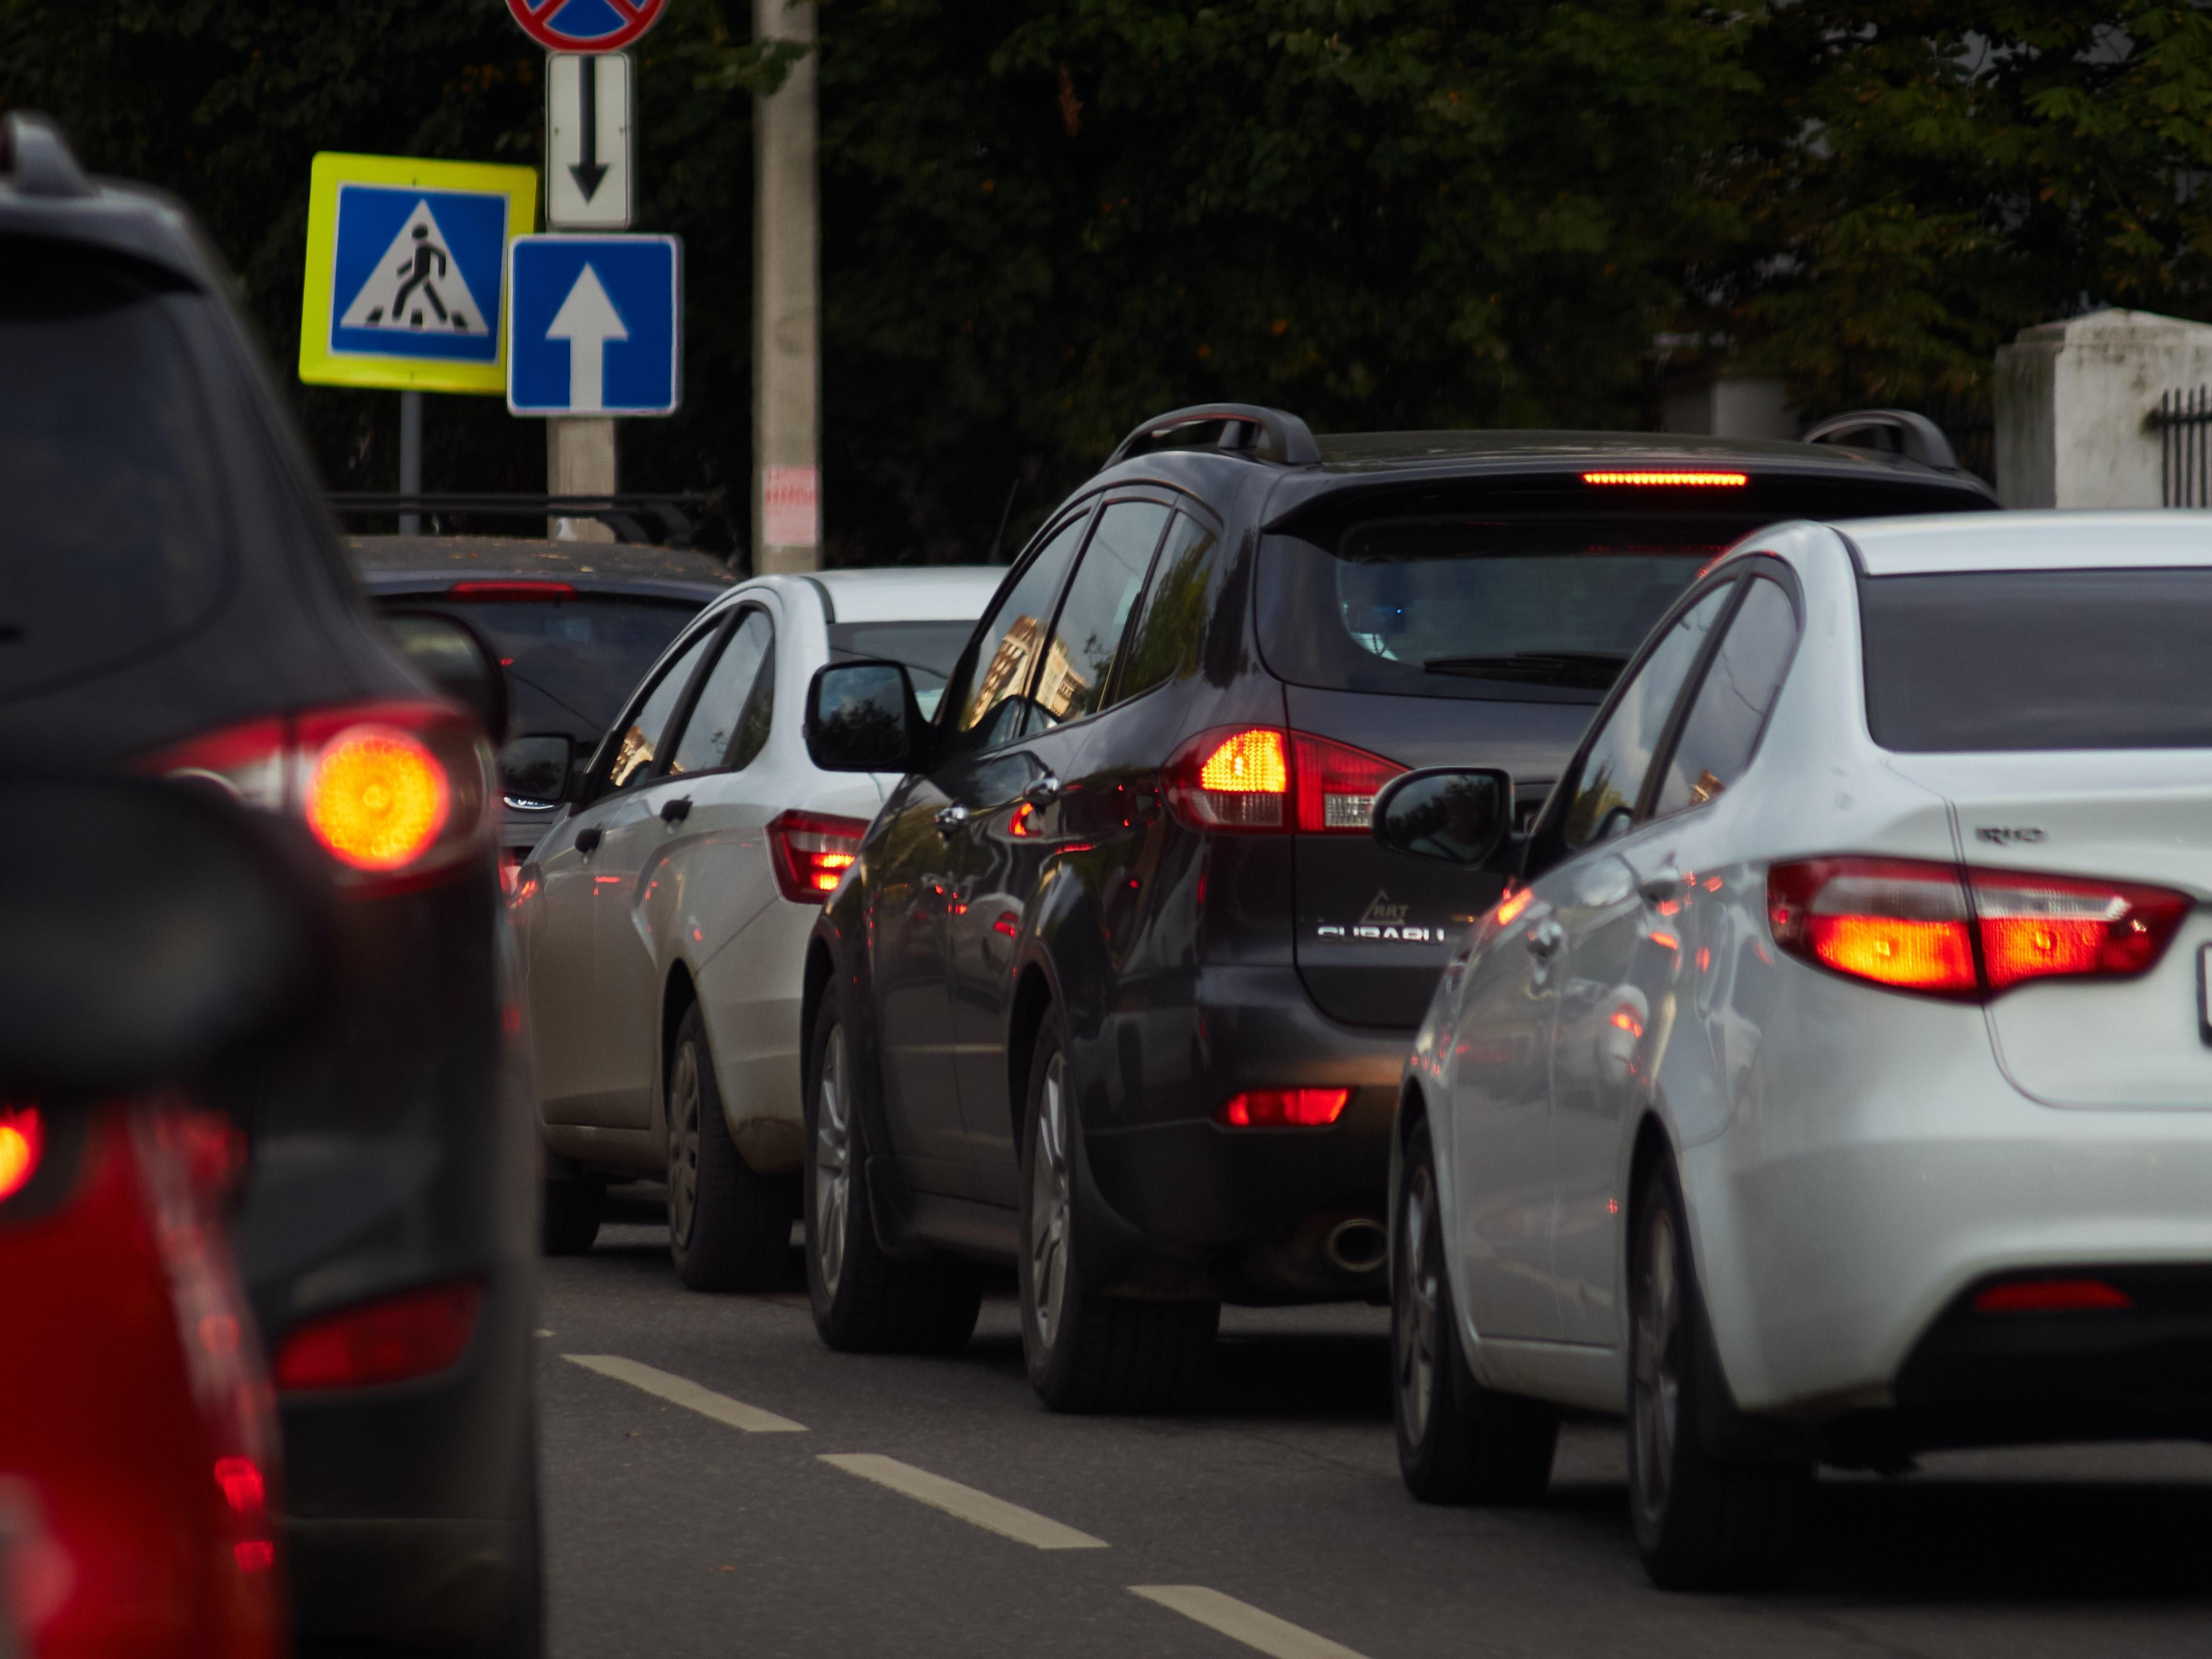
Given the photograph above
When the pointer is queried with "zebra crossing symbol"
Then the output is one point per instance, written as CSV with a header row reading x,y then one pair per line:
x,y
416,286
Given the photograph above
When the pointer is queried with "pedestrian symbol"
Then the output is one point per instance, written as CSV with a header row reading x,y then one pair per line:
x,y
405,265
417,285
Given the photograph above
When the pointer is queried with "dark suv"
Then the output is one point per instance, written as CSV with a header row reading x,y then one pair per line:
x,y
174,600
1119,987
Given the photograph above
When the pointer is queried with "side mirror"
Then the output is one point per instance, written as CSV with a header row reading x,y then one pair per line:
x,y
119,971
538,769
862,717
454,657
1460,814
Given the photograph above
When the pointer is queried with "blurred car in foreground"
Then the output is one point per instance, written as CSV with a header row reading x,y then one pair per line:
x,y
1121,989
177,602
1839,1085
665,919
575,625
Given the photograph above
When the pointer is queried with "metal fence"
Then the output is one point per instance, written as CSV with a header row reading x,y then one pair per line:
x,y
2184,462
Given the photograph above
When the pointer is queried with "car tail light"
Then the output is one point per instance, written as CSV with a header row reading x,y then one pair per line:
x,y
2053,1296
399,1338
392,791
1258,778
246,1492
1282,1108
1937,929
23,1143
811,850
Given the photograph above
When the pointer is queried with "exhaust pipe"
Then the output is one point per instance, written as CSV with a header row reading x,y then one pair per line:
x,y
1357,1245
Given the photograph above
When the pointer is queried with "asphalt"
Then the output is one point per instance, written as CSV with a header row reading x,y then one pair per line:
x,y
1278,1511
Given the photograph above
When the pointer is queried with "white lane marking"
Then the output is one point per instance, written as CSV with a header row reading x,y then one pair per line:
x,y
977,1508
683,1391
1241,1621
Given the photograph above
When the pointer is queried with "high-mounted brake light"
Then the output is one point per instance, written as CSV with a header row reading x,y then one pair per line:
x,y
2053,1296
23,1141
1671,479
523,591
1259,778
413,1334
1917,925
811,850
1308,1108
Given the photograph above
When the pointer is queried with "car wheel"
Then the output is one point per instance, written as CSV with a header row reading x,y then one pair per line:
x,y
1089,1352
729,1227
1458,1442
865,1301
1702,1521
569,1218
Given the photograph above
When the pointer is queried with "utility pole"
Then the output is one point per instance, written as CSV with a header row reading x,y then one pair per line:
x,y
787,518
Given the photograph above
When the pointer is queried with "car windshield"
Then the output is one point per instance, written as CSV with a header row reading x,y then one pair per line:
x,y
571,663
929,650
1993,661
1493,605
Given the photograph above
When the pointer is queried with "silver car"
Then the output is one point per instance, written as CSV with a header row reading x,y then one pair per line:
x,y
1838,1083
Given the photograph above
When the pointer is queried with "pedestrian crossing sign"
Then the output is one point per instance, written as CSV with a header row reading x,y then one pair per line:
x,y
406,259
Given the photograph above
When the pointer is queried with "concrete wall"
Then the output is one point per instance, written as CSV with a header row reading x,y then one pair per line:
x,y
2073,403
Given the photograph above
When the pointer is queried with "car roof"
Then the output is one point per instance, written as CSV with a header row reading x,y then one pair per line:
x,y
430,564
1929,545
1381,451
923,593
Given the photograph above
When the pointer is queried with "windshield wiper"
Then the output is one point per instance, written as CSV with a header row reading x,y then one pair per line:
x,y
1583,671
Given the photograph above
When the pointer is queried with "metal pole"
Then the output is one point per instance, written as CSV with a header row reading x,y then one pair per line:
x,y
787,352
411,457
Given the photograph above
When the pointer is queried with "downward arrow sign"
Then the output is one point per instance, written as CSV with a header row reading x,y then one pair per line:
x,y
587,171
587,319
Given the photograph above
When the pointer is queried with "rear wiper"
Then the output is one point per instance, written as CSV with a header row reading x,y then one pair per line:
x,y
1586,670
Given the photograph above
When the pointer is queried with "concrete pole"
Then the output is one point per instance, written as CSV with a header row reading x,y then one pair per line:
x,y
410,457
580,460
787,519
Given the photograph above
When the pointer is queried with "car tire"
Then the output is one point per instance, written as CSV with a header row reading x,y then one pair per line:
x,y
569,1220
1458,1442
1087,1350
729,1227
1702,1521
865,1301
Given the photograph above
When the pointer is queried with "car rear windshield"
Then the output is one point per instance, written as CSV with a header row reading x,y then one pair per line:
x,y
2007,660
1534,606
571,664
115,538
929,649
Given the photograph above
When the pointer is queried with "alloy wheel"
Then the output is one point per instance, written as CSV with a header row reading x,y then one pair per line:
x,y
1656,1403
683,1142
833,1162
1418,1292
1048,1204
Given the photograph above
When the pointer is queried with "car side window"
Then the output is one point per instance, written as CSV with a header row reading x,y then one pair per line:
x,y
718,727
1171,629
1012,639
1079,658
644,736
1729,711
1607,788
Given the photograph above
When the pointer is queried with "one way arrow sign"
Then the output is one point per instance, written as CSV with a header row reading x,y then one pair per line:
x,y
587,125
594,324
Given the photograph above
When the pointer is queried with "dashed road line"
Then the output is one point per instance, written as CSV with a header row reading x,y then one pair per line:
x,y
1242,1622
683,1391
976,1508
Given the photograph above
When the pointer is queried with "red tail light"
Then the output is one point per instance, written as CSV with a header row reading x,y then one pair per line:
x,y
22,1142
811,850
391,790
1258,778
401,1337
1283,1108
2053,1296
1920,925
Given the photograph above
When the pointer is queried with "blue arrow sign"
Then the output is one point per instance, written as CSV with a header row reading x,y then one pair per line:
x,y
594,324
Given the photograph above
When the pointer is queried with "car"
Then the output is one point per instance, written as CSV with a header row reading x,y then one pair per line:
x,y
664,918
1119,989
573,623
181,605
1833,1085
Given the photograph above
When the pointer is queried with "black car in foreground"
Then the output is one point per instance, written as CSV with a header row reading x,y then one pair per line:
x,y
1119,986
174,600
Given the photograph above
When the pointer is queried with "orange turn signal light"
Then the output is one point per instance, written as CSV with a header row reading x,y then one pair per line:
x,y
22,1138
377,798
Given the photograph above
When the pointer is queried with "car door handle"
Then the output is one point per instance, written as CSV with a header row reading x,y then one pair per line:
x,y
1665,886
588,839
1545,939
675,811
952,817
1043,791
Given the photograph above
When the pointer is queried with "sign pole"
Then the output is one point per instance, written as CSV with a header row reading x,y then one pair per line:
x,y
787,308
410,457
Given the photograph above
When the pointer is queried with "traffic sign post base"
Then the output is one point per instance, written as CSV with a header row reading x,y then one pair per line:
x,y
580,460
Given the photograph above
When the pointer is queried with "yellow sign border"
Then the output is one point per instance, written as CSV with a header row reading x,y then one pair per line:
x,y
319,364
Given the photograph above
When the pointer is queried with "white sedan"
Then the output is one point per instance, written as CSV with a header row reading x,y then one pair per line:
x,y
664,917
1838,1083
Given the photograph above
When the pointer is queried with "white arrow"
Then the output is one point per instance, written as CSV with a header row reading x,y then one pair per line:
x,y
587,319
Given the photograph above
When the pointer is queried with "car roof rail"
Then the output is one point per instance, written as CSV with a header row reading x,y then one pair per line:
x,y
1892,431
36,159
1266,435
